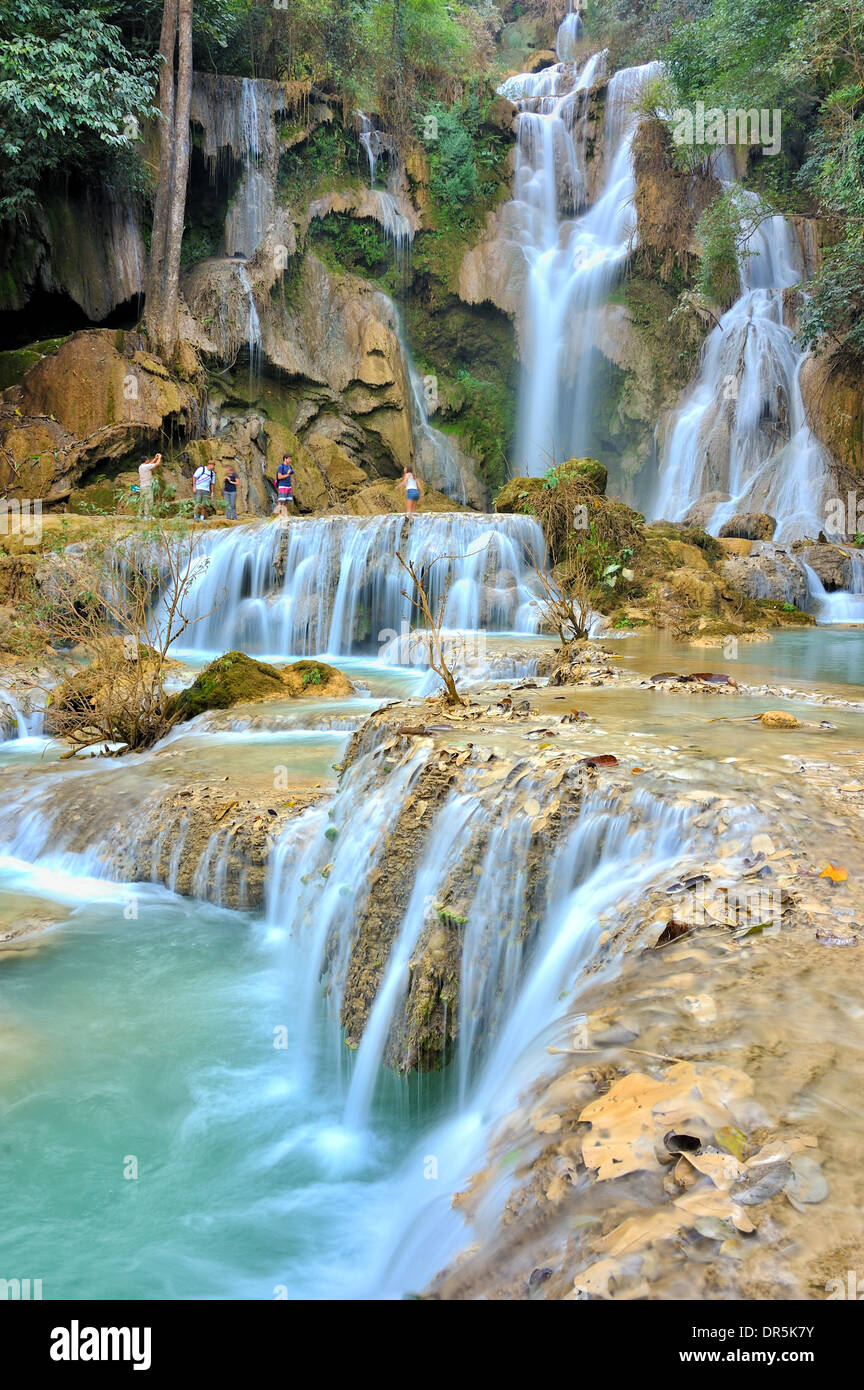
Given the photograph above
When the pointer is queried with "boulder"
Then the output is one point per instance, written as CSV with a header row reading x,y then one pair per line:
x,y
829,562
236,678
749,526
767,573
833,399
779,719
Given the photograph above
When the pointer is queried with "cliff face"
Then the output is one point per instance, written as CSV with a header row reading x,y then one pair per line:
x,y
833,391
98,400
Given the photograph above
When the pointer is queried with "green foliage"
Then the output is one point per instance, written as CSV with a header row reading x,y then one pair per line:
x,y
722,232
70,93
327,158
351,243
463,156
453,179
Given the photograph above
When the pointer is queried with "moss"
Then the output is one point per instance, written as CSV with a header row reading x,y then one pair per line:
x,y
14,365
524,494
689,535
782,614
227,681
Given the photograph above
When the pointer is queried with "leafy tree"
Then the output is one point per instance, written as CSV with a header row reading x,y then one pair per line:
x,y
71,93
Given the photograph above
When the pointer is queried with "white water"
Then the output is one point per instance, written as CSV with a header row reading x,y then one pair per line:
x,y
20,718
238,117
740,442
253,332
371,142
342,585
842,605
574,252
437,461
568,36
610,855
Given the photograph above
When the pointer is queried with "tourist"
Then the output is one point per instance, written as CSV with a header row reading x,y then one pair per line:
x,y
229,492
284,485
145,479
411,485
203,482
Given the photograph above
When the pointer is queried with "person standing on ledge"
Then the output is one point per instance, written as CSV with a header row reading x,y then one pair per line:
x,y
411,485
145,480
203,481
229,492
284,485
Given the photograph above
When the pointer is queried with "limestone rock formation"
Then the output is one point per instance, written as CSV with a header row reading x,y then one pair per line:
x,y
749,526
95,401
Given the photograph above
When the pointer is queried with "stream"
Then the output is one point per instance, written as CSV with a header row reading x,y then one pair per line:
x,y
196,1041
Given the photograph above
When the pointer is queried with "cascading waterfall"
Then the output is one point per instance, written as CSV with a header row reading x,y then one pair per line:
x,y
19,718
396,226
610,857
568,36
841,605
371,142
254,322
437,461
740,442
573,254
334,584
238,116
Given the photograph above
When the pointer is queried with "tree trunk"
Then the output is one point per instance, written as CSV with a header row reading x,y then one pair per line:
x,y
175,98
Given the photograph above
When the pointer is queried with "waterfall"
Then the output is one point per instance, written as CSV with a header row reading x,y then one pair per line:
x,y
238,115
371,142
573,254
19,717
254,328
843,605
611,856
740,442
437,460
568,36
334,584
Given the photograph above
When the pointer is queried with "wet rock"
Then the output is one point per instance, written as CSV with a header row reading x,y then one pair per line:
x,y
750,526
779,719
236,678
767,573
831,564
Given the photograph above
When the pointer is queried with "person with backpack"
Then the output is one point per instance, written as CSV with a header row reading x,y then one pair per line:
x,y
229,492
203,482
284,485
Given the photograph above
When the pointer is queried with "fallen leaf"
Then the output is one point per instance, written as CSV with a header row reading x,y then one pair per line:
x,y
671,932
762,1182
835,873
733,1140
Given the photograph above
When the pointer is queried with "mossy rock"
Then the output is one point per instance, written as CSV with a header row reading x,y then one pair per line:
x,y
236,678
15,364
303,679
588,473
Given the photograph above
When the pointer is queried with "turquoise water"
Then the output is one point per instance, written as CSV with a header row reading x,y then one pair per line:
x,y
154,1039
796,656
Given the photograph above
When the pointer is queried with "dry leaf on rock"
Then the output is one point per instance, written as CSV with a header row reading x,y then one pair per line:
x,y
628,1121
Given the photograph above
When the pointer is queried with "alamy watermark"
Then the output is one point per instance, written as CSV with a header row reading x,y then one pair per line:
x,y
736,126
22,518
844,516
